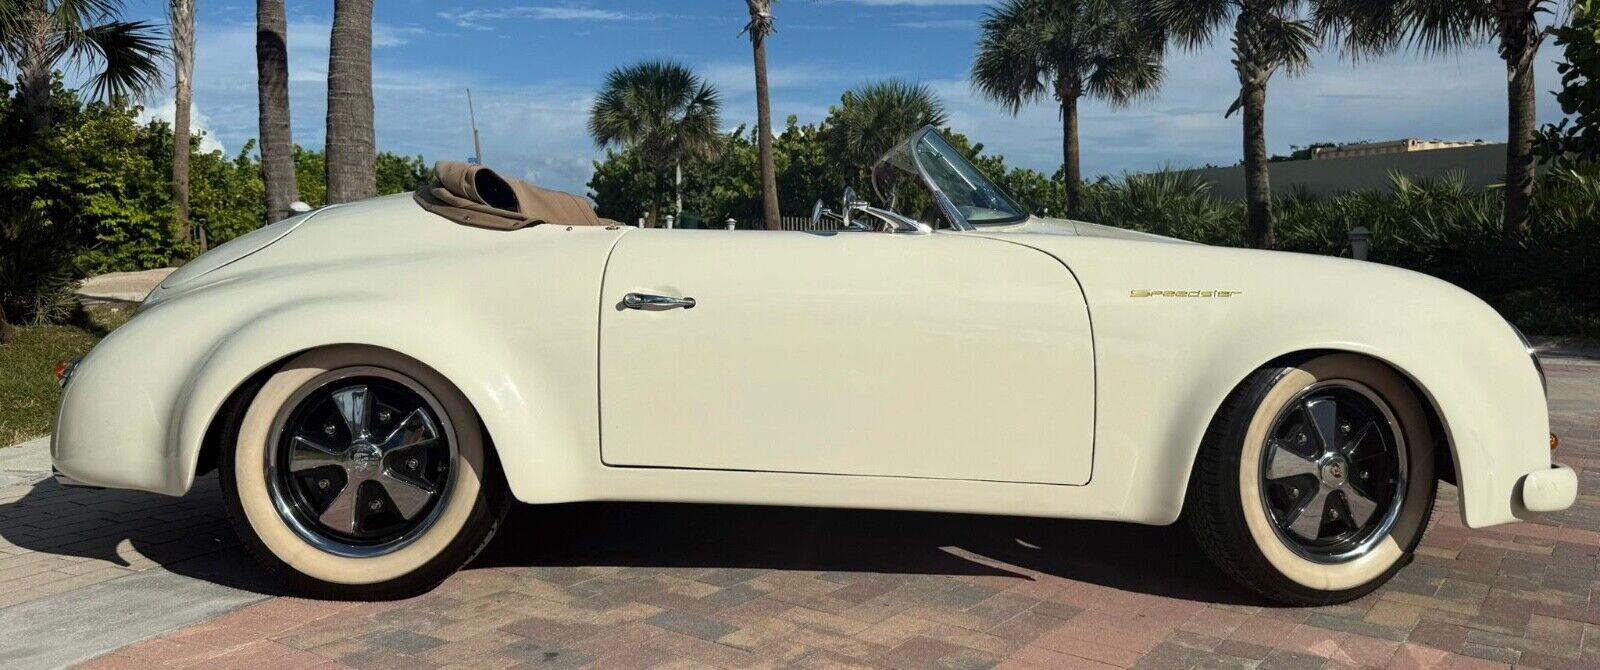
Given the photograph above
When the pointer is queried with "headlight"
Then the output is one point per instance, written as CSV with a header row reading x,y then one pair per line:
x,y
1528,346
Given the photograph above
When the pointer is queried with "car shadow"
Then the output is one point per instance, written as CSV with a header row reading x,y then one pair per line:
x,y
1156,560
191,536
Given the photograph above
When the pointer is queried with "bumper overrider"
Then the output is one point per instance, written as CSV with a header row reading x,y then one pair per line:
x,y
1550,490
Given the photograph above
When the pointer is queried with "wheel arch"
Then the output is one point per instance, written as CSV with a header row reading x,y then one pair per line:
x,y
226,417
1445,457
222,381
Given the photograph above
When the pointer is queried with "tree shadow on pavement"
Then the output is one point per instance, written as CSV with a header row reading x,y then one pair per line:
x,y
189,536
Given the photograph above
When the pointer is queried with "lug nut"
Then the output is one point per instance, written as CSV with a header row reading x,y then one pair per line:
x,y
412,463
1344,427
1333,514
323,484
383,416
328,428
375,505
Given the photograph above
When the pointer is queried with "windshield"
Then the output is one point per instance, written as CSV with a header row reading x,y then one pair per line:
x,y
953,181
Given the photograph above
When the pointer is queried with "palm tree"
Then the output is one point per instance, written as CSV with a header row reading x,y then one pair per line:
x,y
272,91
181,15
1066,49
662,109
759,27
37,36
351,146
1440,27
873,117
1268,36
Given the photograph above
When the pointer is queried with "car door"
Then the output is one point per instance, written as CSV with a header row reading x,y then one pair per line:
x,y
936,356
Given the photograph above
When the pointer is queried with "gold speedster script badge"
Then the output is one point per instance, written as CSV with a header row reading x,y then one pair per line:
x,y
1146,293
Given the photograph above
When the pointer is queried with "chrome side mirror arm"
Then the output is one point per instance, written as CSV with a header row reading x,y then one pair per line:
x,y
897,223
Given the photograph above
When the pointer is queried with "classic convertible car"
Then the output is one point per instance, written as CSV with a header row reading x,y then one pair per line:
x,y
377,381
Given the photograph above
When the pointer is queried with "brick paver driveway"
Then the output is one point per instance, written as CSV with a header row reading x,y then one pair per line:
x,y
614,585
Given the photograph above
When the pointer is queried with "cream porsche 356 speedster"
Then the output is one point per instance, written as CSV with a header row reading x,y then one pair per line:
x,y
376,382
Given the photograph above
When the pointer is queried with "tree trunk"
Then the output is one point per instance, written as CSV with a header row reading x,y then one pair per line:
x,y
33,68
5,326
654,218
1071,170
1518,45
769,171
182,16
677,188
272,89
1257,184
351,145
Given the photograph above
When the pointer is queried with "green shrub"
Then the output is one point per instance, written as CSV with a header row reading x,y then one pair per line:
x,y
1547,282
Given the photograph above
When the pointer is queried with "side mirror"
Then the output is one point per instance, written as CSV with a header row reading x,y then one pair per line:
x,y
816,215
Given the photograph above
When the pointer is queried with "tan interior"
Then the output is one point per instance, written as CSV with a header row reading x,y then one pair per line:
x,y
474,195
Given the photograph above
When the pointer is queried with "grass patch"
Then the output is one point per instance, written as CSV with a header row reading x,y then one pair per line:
x,y
28,391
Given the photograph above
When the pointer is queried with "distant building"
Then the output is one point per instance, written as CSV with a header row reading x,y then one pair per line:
x,y
1390,147
1367,167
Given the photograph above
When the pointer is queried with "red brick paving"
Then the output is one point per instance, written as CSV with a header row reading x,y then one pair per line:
x,y
649,586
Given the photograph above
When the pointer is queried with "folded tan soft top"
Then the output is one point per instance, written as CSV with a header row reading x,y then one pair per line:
x,y
476,196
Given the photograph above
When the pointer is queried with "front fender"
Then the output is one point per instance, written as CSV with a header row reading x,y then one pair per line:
x,y
1165,363
139,405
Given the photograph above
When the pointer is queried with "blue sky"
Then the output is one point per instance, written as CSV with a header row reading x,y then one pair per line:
x,y
534,66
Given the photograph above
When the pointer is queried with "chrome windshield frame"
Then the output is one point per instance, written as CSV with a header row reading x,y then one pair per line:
x,y
942,200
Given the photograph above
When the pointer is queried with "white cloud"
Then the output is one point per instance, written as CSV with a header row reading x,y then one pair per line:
x,y
740,78
1389,98
535,129
484,19
199,123
938,24
917,3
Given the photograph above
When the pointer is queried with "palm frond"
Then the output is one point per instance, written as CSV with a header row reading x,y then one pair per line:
x,y
1447,26
1191,24
1360,28
1012,64
1287,42
661,107
130,54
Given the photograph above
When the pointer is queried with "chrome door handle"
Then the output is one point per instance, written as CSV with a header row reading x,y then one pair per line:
x,y
646,301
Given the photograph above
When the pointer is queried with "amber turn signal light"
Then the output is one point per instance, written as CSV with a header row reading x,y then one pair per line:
x,y
1554,442
64,369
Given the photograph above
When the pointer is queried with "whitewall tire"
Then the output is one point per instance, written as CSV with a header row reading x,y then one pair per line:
x,y
1316,480
357,472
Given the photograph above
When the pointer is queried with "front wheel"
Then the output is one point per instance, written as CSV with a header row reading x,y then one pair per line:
x,y
1316,480
356,472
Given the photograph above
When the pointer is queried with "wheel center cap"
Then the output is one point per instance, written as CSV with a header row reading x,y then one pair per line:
x,y
1334,471
363,455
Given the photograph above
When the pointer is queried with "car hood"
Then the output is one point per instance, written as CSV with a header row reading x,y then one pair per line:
x,y
1049,226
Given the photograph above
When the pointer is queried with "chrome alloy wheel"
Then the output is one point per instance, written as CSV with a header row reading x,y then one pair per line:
x,y
358,461
1333,471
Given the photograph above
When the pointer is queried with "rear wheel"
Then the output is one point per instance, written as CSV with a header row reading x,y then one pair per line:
x,y
1316,481
357,472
